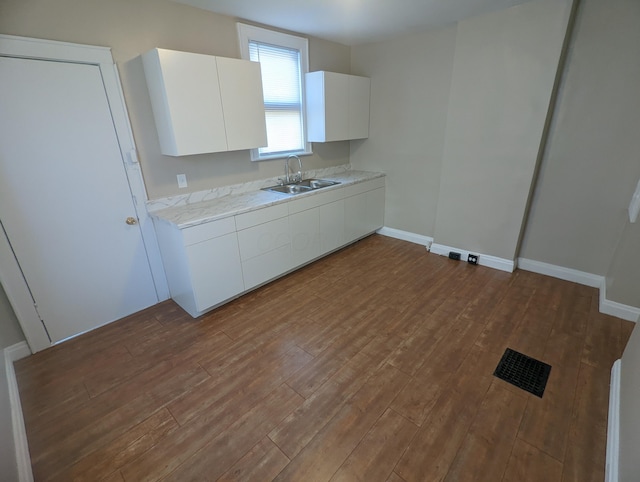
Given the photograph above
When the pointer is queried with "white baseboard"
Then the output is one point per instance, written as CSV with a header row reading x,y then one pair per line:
x,y
11,354
613,425
483,260
406,236
613,308
608,307
560,272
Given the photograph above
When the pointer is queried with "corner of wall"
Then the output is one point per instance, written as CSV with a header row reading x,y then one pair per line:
x,y
21,447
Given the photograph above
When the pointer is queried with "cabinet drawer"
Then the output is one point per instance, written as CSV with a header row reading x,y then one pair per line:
x,y
266,267
364,187
260,216
316,200
213,229
263,238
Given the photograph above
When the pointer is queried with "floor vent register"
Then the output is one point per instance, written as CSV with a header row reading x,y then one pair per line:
x,y
523,372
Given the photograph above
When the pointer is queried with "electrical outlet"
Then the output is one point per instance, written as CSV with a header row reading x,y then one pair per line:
x,y
473,258
454,255
182,180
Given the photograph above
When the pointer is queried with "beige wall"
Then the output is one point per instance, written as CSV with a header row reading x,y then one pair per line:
x,y
410,79
623,276
131,27
592,162
504,71
10,331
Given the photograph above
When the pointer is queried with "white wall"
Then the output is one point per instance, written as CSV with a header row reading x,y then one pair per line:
x,y
410,81
504,71
10,331
592,162
8,467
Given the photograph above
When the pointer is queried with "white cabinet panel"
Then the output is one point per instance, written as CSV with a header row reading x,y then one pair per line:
x,y
202,103
243,103
305,236
202,274
263,238
355,210
216,273
364,214
185,97
266,267
332,226
337,106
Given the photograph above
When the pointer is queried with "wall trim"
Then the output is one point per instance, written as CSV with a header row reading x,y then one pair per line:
x,y
608,307
406,236
23,460
613,308
567,274
484,260
613,425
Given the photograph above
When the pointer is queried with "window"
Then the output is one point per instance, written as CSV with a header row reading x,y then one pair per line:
x,y
284,61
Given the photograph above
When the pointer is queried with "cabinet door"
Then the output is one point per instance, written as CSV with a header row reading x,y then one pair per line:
x,y
336,97
216,273
243,103
375,209
305,236
185,97
359,90
332,226
355,217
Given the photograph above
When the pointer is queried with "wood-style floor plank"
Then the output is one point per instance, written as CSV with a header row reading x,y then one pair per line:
x,y
374,363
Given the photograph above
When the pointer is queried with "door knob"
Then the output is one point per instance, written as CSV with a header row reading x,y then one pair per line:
x,y
131,221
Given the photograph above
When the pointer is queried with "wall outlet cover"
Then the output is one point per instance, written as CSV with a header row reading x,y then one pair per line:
x,y
454,255
473,258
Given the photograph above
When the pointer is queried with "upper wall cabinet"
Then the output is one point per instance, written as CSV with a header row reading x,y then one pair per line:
x,y
203,103
337,106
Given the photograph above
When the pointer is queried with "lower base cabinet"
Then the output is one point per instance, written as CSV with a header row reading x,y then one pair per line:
x,y
209,264
215,271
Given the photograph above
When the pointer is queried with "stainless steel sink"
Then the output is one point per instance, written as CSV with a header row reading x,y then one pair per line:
x,y
303,186
317,183
289,189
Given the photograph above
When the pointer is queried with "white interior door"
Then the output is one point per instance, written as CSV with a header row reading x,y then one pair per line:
x,y
64,197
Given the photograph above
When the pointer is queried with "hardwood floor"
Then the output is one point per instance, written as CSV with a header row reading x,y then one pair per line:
x,y
374,363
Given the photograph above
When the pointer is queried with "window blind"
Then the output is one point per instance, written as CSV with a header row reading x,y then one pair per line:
x,y
282,85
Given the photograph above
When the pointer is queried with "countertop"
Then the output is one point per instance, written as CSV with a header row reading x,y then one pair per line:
x,y
191,210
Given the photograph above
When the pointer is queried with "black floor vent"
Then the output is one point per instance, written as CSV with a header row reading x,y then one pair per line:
x,y
523,372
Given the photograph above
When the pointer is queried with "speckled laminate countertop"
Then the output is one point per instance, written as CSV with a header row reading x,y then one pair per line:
x,y
199,208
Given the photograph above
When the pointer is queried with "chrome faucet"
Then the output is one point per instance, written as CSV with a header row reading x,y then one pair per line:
x,y
297,177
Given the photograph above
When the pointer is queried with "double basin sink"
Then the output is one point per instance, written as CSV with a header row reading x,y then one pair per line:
x,y
300,187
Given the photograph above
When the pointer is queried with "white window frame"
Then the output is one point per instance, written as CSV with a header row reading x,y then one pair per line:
x,y
247,33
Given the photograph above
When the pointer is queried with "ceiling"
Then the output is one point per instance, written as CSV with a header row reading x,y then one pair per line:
x,y
353,22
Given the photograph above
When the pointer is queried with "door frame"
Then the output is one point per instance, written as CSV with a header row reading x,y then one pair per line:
x,y
11,276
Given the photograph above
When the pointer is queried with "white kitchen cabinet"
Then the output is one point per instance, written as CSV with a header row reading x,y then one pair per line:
x,y
305,236
202,263
332,226
363,209
265,244
337,106
216,261
203,103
